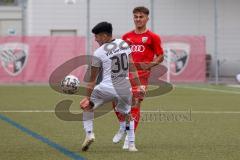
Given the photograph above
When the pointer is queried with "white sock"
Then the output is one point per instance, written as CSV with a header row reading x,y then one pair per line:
x,y
130,132
122,125
88,122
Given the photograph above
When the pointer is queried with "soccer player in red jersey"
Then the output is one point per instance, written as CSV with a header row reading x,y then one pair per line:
x,y
147,53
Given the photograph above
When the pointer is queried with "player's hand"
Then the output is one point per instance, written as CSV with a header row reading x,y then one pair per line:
x,y
142,66
141,93
142,90
145,66
86,104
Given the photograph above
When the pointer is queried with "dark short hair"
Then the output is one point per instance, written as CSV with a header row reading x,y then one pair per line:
x,y
102,27
142,9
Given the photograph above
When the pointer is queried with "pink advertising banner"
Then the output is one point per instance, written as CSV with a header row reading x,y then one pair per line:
x,y
33,59
185,58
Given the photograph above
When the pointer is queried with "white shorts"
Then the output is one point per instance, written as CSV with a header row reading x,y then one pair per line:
x,y
103,94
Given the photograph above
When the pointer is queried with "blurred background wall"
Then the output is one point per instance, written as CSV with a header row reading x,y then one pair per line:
x,y
216,20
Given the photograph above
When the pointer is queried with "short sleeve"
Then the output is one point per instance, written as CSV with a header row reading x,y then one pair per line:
x,y
96,62
127,48
128,51
126,37
157,45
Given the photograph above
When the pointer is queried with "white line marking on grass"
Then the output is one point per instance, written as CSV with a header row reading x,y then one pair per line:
x,y
234,85
195,112
216,112
77,111
210,89
27,111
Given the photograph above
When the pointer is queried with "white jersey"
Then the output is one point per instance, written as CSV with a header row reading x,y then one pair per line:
x,y
113,58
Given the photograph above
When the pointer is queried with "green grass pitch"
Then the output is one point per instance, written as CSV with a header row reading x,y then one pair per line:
x,y
192,122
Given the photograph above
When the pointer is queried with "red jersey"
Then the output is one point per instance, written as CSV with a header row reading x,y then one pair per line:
x,y
144,47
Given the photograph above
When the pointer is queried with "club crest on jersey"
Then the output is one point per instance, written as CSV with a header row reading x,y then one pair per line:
x,y
144,39
13,57
179,55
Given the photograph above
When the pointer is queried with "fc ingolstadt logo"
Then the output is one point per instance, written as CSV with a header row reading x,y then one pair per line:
x,y
176,56
144,39
13,57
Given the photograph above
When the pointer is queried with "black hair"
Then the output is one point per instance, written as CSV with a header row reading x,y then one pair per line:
x,y
102,27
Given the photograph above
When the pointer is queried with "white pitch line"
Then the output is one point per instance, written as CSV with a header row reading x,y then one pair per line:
x,y
77,111
27,111
210,89
196,112
216,112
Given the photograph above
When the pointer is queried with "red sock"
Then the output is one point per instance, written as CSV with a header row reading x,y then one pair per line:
x,y
135,111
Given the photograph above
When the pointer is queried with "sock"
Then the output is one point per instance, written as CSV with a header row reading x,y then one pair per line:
x,y
135,112
130,132
122,126
120,116
88,122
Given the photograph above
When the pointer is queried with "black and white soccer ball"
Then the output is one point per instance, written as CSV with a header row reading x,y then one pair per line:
x,y
70,84
238,78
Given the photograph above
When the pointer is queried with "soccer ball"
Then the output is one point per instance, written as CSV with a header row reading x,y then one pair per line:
x,y
238,77
70,84
70,1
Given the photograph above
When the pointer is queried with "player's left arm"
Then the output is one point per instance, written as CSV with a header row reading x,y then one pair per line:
x,y
158,51
156,61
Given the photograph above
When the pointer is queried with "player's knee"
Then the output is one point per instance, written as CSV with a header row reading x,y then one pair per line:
x,y
136,102
128,117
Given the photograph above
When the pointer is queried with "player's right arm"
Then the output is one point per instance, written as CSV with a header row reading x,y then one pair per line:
x,y
133,71
92,80
85,103
125,37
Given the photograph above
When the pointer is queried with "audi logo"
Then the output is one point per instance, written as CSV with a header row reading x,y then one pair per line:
x,y
137,48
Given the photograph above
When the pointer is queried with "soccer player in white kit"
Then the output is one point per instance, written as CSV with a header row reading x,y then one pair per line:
x,y
114,57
